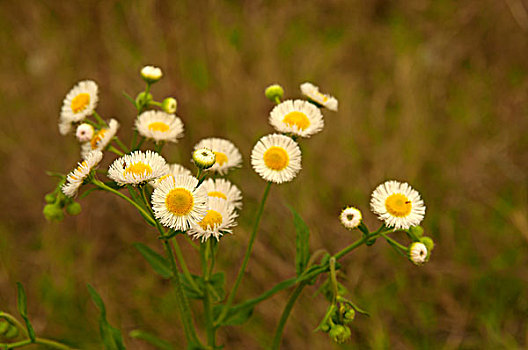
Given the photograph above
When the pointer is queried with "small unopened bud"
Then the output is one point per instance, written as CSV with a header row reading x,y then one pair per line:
x,y
169,105
74,208
429,243
325,327
151,74
4,326
417,231
204,158
340,333
12,332
418,253
349,315
49,198
274,91
84,132
143,99
53,212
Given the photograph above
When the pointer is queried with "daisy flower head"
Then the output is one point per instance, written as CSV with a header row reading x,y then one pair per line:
x,y
151,74
227,155
312,92
84,132
159,126
101,138
138,167
76,177
80,102
177,202
223,189
351,217
398,204
297,117
204,158
219,220
174,170
276,158
418,253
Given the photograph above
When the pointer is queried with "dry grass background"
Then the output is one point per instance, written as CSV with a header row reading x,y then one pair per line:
x,y
430,92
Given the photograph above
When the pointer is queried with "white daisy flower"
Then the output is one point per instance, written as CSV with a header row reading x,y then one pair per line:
x,y
151,74
75,178
177,202
227,155
84,132
64,127
222,188
101,138
80,102
418,253
219,220
297,117
276,158
312,92
174,170
351,217
138,167
398,204
159,126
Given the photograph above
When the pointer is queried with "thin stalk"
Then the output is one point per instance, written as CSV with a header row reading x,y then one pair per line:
x,y
121,144
41,341
115,150
183,265
206,268
285,314
393,242
333,277
15,322
99,119
246,257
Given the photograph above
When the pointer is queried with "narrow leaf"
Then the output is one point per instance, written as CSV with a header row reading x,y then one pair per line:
x,y
22,309
234,316
302,243
158,262
151,339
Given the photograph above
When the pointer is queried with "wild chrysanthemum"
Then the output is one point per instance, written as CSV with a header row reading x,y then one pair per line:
x,y
398,204
75,178
418,253
174,170
227,155
297,117
101,138
178,203
276,158
159,126
350,217
219,220
222,188
312,92
79,103
138,167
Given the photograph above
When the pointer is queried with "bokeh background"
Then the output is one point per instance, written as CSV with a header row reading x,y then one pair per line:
x,y
430,92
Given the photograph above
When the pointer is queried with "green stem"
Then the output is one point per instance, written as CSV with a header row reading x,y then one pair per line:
x,y
393,242
41,341
146,215
285,314
246,257
115,150
121,144
333,277
206,270
183,265
158,146
99,119
155,103
15,322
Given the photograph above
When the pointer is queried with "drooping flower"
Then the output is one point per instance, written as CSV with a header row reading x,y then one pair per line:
x,y
418,253
312,92
75,178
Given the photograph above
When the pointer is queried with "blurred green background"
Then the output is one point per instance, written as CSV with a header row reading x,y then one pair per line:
x,y
430,92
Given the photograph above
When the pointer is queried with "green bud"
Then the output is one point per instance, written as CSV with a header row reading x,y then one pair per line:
x,y
143,99
53,212
169,105
349,315
11,333
340,333
325,327
417,231
273,92
4,326
49,198
74,208
428,242
204,158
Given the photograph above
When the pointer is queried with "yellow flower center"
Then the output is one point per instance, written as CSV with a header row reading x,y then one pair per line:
x,y
221,158
276,158
398,205
79,102
298,119
211,219
158,126
97,137
139,168
217,194
179,201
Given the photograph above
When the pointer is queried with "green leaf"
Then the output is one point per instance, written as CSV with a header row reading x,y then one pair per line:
x,y
216,285
188,289
158,262
22,309
112,338
151,339
235,316
302,242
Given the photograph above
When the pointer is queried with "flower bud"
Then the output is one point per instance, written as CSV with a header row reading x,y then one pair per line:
x,y
53,212
12,332
204,158
74,208
151,74
143,99
84,132
418,253
169,105
429,244
349,315
417,231
325,327
340,333
4,326
49,198
274,91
